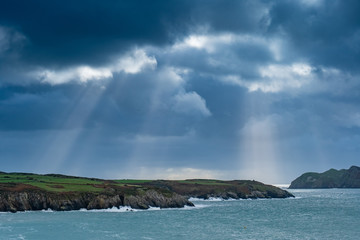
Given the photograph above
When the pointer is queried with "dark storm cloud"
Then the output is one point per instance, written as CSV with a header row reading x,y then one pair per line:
x,y
92,32
326,33
62,33
89,31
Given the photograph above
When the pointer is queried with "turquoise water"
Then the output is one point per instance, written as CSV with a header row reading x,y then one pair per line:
x,y
313,214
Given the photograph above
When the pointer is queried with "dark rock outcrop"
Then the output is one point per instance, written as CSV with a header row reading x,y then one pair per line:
x,y
330,179
155,199
36,200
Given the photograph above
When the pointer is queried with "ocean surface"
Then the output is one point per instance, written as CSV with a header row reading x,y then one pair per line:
x,y
313,214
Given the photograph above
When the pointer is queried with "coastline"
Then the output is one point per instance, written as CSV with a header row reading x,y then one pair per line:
x,y
23,192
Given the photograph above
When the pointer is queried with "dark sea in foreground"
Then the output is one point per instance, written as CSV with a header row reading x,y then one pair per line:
x,y
313,214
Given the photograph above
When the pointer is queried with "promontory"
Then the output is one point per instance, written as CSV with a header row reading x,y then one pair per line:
x,y
26,191
344,178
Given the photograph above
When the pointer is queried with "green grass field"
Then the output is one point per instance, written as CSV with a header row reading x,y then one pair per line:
x,y
61,183
203,182
56,183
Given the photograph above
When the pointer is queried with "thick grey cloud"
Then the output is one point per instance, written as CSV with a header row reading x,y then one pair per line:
x,y
325,33
62,33
234,89
70,32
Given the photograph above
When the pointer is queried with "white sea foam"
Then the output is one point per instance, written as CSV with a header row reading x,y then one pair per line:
x,y
120,209
208,200
47,210
197,206
154,208
130,209
113,209
211,199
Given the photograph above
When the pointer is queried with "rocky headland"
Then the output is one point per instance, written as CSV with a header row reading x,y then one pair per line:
x,y
344,178
23,191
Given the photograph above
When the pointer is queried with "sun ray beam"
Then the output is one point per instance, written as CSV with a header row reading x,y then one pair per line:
x,y
57,154
258,150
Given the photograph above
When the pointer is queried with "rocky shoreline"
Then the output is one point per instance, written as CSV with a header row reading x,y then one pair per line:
x,y
33,200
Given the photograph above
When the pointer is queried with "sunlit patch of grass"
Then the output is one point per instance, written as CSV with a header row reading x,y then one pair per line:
x,y
44,178
53,183
132,181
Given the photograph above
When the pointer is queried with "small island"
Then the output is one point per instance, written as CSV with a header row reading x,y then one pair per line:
x,y
332,178
27,191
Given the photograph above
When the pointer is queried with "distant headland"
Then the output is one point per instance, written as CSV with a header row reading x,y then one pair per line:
x,y
332,178
26,191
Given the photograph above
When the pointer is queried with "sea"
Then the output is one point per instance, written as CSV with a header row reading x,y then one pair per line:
x,y
312,214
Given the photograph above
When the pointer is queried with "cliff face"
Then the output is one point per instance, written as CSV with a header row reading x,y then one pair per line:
x,y
37,200
330,179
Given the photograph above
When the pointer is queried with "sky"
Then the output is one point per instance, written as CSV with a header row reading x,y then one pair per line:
x,y
251,89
